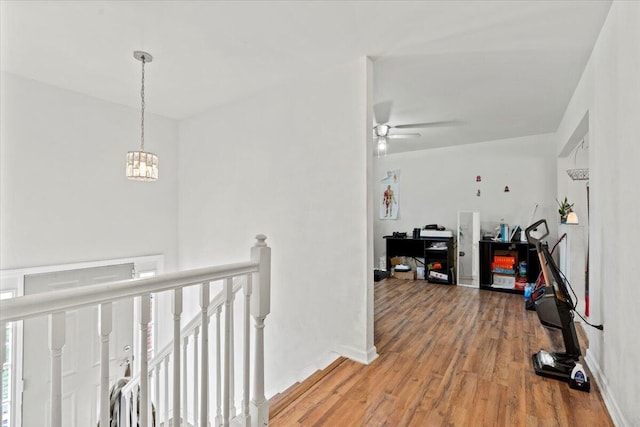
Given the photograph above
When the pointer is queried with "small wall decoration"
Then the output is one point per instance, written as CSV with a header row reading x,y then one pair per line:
x,y
506,189
478,179
389,192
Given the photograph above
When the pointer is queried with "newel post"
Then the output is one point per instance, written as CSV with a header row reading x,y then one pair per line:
x,y
260,308
176,310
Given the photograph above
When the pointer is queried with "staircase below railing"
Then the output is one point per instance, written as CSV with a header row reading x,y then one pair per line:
x,y
136,405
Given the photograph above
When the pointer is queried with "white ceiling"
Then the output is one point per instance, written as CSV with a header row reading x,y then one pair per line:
x,y
501,69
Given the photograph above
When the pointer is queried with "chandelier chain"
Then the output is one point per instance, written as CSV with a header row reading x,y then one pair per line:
x,y
142,97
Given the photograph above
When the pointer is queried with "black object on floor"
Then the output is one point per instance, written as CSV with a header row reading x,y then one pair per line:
x,y
555,312
379,275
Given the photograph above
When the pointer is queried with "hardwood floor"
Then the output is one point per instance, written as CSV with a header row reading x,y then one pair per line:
x,y
449,356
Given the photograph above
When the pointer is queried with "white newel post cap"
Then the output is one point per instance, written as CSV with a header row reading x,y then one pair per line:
x,y
261,240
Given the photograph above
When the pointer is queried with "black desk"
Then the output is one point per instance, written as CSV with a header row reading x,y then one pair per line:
x,y
421,248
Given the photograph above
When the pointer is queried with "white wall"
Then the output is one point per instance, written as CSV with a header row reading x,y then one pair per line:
x,y
64,194
608,91
289,162
435,184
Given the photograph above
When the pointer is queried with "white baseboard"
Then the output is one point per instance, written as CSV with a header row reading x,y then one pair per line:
x,y
364,357
614,410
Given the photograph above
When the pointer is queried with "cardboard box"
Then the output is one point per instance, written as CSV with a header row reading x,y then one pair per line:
x,y
504,280
438,275
506,253
405,275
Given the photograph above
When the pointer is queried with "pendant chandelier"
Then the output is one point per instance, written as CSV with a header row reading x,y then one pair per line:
x,y
142,165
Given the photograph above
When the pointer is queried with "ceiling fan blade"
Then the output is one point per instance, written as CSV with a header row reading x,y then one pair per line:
x,y
427,124
403,136
382,112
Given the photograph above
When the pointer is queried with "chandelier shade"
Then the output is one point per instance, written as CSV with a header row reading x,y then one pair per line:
x,y
142,165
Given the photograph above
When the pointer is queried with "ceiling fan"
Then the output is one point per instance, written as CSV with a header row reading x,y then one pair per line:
x,y
384,131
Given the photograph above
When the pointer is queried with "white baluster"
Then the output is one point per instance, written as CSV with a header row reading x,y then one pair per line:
x,y
3,354
135,414
185,389
218,369
166,391
260,308
150,399
123,410
177,311
145,317
247,347
232,369
204,382
196,332
226,387
57,328
104,329
156,393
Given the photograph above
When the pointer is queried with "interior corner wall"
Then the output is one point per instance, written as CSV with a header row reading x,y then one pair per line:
x,y
290,163
435,184
608,91
64,196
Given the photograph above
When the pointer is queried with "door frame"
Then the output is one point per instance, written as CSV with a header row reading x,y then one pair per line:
x,y
13,280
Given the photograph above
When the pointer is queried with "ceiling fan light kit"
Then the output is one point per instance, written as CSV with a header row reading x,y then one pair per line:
x,y
382,146
142,165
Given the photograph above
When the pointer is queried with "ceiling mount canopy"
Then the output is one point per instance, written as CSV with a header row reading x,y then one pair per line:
x,y
142,165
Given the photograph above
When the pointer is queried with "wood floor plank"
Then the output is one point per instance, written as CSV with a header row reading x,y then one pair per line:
x,y
448,356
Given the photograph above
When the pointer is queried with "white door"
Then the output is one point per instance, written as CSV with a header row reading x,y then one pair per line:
x,y
81,352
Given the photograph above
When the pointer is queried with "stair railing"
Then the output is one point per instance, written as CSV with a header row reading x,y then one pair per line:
x,y
135,403
159,371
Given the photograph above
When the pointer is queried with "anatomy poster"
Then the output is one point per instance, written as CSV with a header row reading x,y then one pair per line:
x,y
389,196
